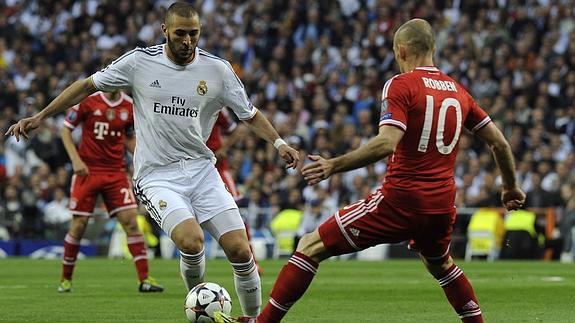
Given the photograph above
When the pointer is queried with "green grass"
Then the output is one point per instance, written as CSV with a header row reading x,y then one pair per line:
x,y
344,291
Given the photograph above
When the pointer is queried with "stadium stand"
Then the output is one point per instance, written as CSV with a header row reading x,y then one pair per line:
x,y
316,71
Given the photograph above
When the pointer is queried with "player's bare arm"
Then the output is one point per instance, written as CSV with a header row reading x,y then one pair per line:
x,y
72,95
260,125
80,168
512,196
377,148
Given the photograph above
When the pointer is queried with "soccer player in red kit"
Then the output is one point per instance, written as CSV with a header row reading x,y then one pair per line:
x,y
225,124
99,168
423,114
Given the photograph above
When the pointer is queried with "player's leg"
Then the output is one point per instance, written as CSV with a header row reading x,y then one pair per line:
x,y
137,248
232,188
435,256
83,192
164,194
227,227
71,250
188,237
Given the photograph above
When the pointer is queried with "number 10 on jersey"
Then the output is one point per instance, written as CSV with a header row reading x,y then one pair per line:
x,y
428,123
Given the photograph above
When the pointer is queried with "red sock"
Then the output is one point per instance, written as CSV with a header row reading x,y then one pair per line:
x,y
290,285
71,249
138,250
460,294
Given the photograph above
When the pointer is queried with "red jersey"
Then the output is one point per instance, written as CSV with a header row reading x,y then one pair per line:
x,y
224,124
105,125
432,109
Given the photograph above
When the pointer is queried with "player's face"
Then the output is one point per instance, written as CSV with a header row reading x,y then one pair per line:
x,y
182,35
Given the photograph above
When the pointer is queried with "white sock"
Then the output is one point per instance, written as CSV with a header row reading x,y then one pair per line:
x,y
193,268
248,287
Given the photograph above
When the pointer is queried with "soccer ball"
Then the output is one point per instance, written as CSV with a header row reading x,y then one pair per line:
x,y
205,299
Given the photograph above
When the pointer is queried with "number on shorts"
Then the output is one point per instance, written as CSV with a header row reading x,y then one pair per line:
x,y
127,195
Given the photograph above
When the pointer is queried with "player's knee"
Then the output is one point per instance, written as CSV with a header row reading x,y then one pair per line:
x,y
437,267
241,254
311,245
189,244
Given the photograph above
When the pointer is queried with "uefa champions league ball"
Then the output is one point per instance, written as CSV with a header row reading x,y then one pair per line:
x,y
205,299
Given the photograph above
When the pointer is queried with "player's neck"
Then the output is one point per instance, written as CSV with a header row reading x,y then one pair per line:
x,y
112,96
416,62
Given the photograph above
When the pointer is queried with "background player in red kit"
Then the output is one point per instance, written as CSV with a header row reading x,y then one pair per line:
x,y
99,168
225,124
423,113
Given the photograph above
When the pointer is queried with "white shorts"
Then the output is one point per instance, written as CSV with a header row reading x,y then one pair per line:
x,y
193,185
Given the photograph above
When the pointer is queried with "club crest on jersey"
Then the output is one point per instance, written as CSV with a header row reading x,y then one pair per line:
x,y
202,88
163,205
111,114
123,115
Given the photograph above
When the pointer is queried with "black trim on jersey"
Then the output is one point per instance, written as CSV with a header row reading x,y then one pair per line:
x,y
147,203
147,50
208,55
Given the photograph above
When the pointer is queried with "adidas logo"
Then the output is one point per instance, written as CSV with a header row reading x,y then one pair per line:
x,y
354,231
156,84
97,113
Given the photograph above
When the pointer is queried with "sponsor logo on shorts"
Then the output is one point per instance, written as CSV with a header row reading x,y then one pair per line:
x,y
354,231
162,204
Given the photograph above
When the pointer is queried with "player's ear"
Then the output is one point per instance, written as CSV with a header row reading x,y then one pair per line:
x,y
165,30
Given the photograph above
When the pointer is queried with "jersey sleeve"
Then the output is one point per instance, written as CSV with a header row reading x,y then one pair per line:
x,y
119,74
74,116
394,103
477,118
234,95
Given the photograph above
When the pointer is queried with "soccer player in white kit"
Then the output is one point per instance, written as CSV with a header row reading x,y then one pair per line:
x,y
178,91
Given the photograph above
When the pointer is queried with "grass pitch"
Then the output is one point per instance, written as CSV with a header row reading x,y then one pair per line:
x,y
344,291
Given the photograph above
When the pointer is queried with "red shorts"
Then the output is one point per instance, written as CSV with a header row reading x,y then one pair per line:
x,y
229,182
374,221
114,187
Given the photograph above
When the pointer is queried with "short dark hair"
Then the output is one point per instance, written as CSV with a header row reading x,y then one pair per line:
x,y
182,9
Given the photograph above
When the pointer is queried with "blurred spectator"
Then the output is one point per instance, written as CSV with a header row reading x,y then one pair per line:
x,y
57,216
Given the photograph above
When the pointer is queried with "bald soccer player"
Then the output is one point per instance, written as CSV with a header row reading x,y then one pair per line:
x,y
423,112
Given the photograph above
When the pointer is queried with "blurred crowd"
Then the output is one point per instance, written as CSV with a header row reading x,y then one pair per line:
x,y
316,69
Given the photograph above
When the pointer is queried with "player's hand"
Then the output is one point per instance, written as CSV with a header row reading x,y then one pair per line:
x,y
289,155
513,198
23,127
80,168
317,171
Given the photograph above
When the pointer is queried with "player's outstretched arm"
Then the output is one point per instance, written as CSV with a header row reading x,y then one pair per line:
x,y
260,125
72,95
512,196
376,149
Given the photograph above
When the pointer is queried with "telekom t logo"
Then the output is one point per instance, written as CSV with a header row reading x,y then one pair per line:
x,y
101,129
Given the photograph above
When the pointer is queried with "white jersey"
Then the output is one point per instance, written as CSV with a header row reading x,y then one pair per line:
x,y
175,107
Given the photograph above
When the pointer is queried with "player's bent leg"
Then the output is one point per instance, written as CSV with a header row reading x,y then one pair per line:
x,y
188,237
457,288
137,247
228,228
71,249
295,277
